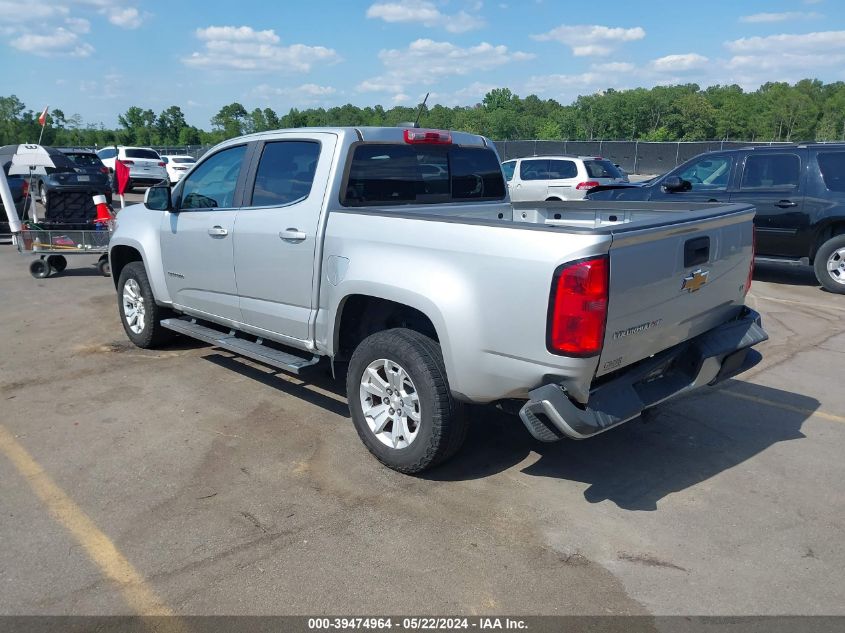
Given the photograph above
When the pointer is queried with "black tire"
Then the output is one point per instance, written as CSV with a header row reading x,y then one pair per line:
x,y
104,266
57,262
832,281
443,423
553,200
42,194
152,334
39,269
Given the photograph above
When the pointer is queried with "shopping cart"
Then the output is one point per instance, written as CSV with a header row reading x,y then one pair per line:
x,y
52,246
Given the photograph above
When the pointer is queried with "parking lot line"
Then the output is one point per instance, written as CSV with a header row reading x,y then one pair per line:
x,y
100,549
787,407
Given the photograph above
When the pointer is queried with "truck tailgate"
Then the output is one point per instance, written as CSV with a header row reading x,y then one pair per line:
x,y
674,281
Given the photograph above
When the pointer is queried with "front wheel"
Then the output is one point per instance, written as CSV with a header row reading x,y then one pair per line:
x,y
104,266
139,313
400,401
829,264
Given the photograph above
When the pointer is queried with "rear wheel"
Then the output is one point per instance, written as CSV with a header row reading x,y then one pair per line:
x,y
57,262
104,266
829,264
139,313
400,401
42,194
39,269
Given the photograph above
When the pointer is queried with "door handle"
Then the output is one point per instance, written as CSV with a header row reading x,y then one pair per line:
x,y
218,231
785,204
292,235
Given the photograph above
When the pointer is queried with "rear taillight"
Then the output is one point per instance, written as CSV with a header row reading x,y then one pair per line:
x,y
161,164
25,188
431,137
127,162
581,186
104,170
751,265
578,308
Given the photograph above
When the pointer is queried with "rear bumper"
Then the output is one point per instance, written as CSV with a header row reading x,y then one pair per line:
x,y
710,358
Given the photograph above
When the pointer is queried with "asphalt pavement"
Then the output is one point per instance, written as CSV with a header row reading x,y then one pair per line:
x,y
190,481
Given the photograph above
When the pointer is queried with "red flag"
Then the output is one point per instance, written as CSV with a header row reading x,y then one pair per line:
x,y
43,118
121,173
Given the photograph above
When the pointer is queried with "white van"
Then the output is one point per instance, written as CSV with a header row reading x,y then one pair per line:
x,y
539,178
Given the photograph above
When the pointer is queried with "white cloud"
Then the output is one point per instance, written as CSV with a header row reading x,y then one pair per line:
x,y
439,60
614,67
306,93
243,48
676,63
784,56
472,94
425,13
78,25
789,43
591,40
238,34
53,27
60,42
786,16
127,18
445,58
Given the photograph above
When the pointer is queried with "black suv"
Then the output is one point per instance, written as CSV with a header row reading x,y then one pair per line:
x,y
78,175
799,192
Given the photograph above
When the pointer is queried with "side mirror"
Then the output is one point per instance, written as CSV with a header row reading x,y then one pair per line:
x,y
674,184
158,198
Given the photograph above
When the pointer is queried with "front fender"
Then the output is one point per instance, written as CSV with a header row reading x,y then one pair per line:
x,y
137,227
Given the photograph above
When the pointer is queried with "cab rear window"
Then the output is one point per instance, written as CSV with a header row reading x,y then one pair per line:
x,y
383,174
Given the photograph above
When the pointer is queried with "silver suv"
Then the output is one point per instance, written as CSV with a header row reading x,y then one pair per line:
x,y
540,178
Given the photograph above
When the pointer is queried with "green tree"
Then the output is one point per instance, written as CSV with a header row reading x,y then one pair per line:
x,y
230,120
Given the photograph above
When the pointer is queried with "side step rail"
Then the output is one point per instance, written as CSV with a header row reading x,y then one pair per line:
x,y
228,341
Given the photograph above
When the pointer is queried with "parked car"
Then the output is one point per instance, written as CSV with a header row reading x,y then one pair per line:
x,y
145,164
177,165
798,191
553,178
77,171
291,246
18,185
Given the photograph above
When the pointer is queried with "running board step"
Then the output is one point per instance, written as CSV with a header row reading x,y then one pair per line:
x,y
254,350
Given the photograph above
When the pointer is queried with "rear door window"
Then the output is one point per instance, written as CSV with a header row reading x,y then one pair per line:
x,y
107,153
562,169
771,171
534,170
832,165
382,174
285,173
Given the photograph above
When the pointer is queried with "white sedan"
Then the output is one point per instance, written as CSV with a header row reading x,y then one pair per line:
x,y
177,166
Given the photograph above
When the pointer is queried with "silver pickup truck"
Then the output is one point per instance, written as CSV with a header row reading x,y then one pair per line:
x,y
396,254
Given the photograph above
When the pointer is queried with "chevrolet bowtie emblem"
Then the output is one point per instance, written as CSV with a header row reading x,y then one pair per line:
x,y
694,281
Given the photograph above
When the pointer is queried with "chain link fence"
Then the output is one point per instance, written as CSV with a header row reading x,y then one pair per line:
x,y
635,157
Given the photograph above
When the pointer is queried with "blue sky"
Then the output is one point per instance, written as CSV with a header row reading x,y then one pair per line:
x,y
98,57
